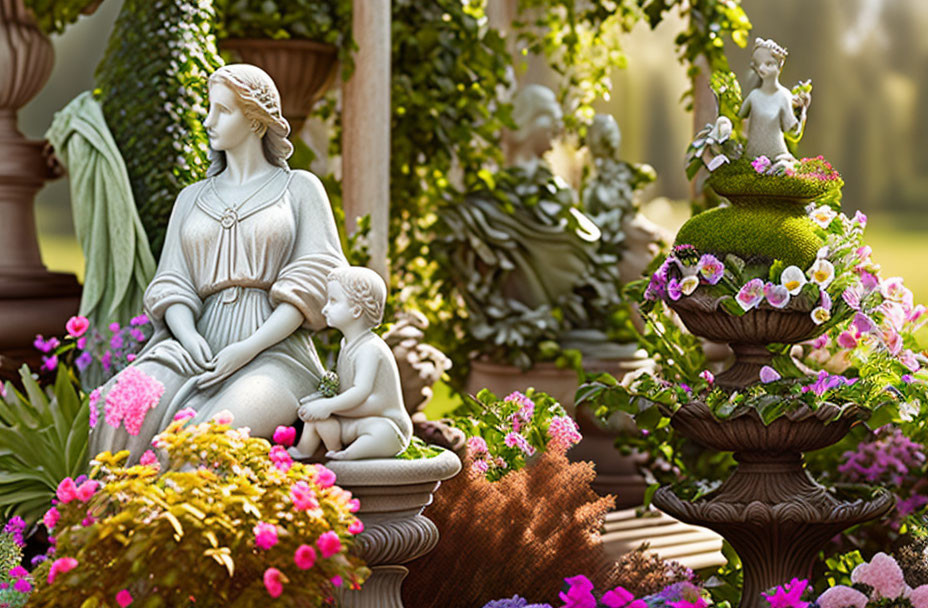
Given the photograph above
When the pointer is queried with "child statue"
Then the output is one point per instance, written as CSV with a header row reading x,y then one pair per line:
x,y
769,106
367,419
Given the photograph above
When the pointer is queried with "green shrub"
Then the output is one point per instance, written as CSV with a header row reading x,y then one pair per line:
x,y
152,85
53,16
190,535
771,232
810,180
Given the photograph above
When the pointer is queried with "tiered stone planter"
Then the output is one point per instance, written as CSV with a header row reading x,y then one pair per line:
x,y
392,493
771,510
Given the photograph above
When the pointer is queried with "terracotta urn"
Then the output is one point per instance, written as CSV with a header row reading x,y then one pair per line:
x,y
302,69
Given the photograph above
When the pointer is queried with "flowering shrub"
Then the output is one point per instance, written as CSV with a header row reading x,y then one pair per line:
x,y
881,582
503,434
242,524
579,592
15,582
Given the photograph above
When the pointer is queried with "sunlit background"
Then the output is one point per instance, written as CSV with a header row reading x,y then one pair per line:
x,y
868,61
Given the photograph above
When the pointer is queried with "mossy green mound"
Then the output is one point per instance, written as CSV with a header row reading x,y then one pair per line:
x,y
771,232
812,179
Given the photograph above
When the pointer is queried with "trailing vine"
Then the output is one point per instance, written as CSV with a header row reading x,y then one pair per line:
x,y
53,16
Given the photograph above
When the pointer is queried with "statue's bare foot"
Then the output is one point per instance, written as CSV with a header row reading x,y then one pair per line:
x,y
339,455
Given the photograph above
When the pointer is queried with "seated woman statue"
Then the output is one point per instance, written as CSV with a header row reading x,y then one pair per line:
x,y
769,106
242,278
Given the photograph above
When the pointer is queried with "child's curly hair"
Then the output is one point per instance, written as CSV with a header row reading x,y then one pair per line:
x,y
364,288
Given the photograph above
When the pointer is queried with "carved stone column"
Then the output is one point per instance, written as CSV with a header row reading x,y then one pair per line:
x,y
32,300
393,494
366,134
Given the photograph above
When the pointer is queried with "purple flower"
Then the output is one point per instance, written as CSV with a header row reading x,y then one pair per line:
x,y
116,341
710,269
768,374
83,360
777,295
750,294
137,334
114,327
863,323
579,593
761,164
673,290
50,363
46,346
107,361
907,378
139,320
15,528
82,343
686,387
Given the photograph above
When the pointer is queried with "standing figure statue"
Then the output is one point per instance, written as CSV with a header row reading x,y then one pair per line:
x,y
770,107
242,278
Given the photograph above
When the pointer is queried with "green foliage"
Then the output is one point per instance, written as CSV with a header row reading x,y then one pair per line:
x,y
11,554
53,16
152,86
43,439
219,484
327,21
530,422
772,232
727,91
418,449
810,180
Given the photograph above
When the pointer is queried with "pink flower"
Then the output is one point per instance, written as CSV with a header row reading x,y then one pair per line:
x,y
768,374
23,586
710,269
697,603
893,289
285,435
579,593
86,490
520,399
919,596
66,491
479,467
863,323
185,414
707,376
60,566
860,218
518,440
50,363
281,459
51,517
789,595
123,598
883,574
563,432
907,358
273,582
336,580
325,478
761,164
139,320
847,340
223,417
305,557
76,326
356,527
777,295
674,291
265,535
842,597
354,505
18,572
750,294
93,404
149,459
45,346
329,544
129,401
617,598
303,497
477,446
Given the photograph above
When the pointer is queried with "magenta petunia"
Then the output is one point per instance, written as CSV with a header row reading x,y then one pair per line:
x,y
303,497
304,557
325,478
356,527
273,582
60,566
329,544
284,435
51,517
265,535
86,490
67,490
76,326
124,598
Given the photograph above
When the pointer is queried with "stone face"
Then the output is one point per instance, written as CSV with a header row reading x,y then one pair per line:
x,y
392,493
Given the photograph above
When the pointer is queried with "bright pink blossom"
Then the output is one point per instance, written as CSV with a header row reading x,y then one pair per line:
x,y
356,527
23,585
129,401
847,340
518,440
67,490
223,417
76,326
273,582
710,269
265,535
284,435
789,595
51,517
761,164
563,432
18,572
579,593
303,497
281,458
617,598
304,557
149,459
185,414
123,598
354,505
325,478
329,544
336,580
479,467
86,490
477,446
60,566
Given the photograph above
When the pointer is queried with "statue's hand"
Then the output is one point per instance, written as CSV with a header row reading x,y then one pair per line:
x,y
309,412
198,348
229,360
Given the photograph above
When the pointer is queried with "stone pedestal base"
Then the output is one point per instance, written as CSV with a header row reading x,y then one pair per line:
x,y
393,494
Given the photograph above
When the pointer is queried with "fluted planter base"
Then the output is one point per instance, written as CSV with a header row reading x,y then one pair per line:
x,y
771,510
393,494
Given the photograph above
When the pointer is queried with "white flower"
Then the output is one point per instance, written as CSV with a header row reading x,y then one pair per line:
x,y
822,273
721,131
820,315
793,279
689,284
823,216
822,253
717,162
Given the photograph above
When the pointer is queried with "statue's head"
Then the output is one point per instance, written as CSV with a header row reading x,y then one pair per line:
x,y
603,138
539,118
767,57
256,96
365,291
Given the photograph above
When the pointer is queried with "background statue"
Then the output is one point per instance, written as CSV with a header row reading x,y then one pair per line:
x,y
769,106
241,280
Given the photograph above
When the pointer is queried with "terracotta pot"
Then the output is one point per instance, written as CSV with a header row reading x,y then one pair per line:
x,y
770,509
302,69
746,334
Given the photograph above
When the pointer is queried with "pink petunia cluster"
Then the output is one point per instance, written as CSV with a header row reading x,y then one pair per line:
x,y
68,490
129,401
518,440
265,535
303,497
893,457
61,566
281,458
325,478
563,432
329,544
477,446
885,579
788,595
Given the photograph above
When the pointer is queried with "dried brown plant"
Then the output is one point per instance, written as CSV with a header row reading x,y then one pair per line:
x,y
913,559
522,534
643,573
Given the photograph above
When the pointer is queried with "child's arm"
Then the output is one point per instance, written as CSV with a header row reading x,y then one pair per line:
x,y
364,379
